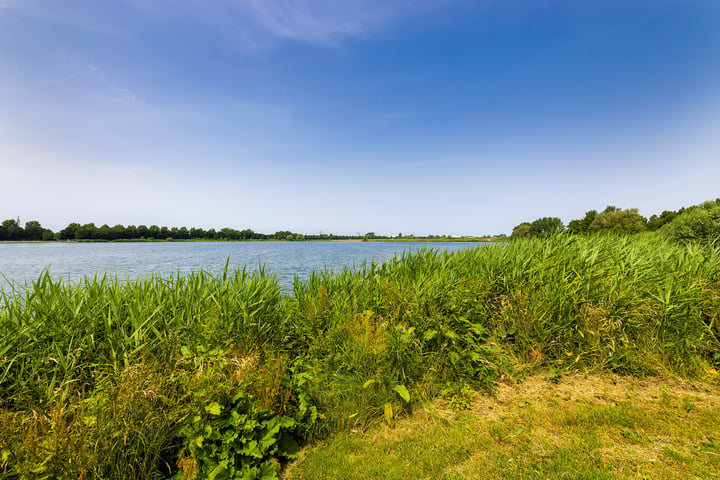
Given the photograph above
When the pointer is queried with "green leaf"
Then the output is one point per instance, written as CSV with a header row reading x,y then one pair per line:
x,y
369,382
90,420
267,472
403,392
220,468
389,415
288,447
214,408
251,450
430,334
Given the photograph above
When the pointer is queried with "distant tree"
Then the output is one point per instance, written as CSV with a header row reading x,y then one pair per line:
x,y
695,225
581,226
69,232
655,222
13,230
87,232
48,235
104,232
618,221
522,230
33,230
281,234
545,226
229,234
119,232
197,233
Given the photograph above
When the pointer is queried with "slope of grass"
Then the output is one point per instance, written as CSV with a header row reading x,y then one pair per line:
x,y
593,427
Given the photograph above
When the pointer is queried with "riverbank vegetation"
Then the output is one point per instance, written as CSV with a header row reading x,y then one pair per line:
x,y
696,223
12,230
227,376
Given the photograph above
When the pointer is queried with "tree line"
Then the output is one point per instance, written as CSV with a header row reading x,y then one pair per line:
x,y
12,230
698,222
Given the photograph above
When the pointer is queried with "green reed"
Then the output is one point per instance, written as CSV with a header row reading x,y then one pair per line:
x,y
350,342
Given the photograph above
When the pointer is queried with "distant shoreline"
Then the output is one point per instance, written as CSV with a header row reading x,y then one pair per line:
x,y
172,240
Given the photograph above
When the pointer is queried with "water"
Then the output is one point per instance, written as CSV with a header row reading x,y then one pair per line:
x,y
20,262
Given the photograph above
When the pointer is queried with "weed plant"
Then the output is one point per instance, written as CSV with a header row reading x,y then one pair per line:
x,y
100,378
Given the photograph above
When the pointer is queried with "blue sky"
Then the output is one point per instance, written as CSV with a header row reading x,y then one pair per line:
x,y
425,117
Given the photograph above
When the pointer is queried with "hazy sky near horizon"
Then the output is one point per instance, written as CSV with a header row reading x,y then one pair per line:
x,y
349,116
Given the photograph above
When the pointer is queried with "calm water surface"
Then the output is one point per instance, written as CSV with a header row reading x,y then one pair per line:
x,y
20,262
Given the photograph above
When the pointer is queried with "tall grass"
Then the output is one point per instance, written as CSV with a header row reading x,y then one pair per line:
x,y
348,342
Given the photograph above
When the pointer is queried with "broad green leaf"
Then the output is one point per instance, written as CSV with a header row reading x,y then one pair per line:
x,y
403,392
251,450
288,447
267,472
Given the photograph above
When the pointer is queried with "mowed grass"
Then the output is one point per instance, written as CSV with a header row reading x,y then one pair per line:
x,y
579,427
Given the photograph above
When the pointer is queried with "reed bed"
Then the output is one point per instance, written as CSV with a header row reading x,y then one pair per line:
x,y
99,379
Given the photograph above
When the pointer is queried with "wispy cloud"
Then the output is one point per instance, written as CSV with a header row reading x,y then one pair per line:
x,y
249,24
257,24
327,22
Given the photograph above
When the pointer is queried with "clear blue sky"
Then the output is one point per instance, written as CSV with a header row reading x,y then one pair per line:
x,y
424,117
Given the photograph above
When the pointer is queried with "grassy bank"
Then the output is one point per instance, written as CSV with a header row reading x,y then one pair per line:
x,y
224,375
579,426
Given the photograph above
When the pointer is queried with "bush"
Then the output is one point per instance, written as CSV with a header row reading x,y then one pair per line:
x,y
697,225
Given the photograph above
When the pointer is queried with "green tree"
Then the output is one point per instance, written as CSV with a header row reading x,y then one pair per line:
x,y
33,230
69,232
581,226
13,230
545,226
522,230
87,232
104,232
48,235
618,221
656,222
696,225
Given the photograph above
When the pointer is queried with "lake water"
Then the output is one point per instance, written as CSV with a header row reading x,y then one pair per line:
x,y
20,262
